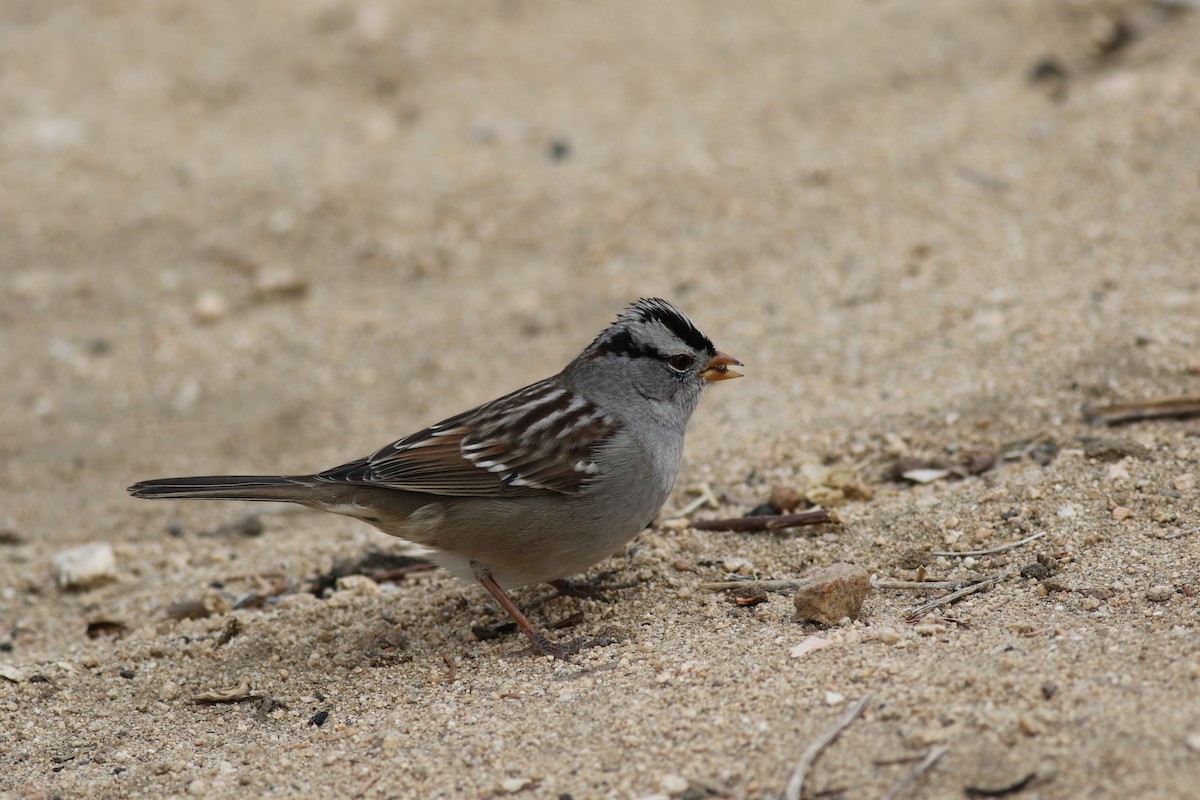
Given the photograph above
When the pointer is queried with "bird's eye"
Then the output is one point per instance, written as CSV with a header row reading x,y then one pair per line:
x,y
681,362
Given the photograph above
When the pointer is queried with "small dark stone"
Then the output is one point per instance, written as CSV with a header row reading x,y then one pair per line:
x,y
559,150
485,632
1034,570
1049,689
979,461
39,678
249,526
1049,562
6,647
99,347
748,596
1043,454
1057,585
912,558
1109,450
106,628
1047,69
319,718
763,510
127,674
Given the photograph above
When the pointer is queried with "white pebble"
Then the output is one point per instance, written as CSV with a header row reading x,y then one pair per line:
x,y
85,566
673,784
210,307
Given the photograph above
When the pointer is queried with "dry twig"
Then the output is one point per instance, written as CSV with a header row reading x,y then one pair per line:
x,y
919,585
978,586
1184,406
993,550
796,782
706,498
1181,534
766,586
920,769
773,522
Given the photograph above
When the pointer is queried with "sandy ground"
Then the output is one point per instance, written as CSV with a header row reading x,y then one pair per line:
x,y
271,236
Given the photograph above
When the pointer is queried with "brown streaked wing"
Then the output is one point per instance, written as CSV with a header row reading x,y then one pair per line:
x,y
494,450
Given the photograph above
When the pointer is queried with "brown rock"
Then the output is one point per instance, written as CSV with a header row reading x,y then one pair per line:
x,y
833,593
785,499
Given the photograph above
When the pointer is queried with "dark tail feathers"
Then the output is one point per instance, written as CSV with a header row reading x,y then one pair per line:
x,y
223,487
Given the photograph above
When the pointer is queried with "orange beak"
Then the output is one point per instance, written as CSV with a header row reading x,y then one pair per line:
x,y
717,368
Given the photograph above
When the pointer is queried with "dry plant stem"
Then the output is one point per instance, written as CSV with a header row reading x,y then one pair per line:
x,y
706,498
992,551
370,785
1184,406
795,783
1181,534
986,583
919,585
920,769
766,586
820,516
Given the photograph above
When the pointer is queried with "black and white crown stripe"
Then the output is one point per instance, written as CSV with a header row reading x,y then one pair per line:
x,y
652,312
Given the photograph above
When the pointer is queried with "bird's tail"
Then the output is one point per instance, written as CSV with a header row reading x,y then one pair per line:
x,y
225,487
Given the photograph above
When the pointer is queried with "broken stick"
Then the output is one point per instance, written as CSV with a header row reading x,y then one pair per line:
x,y
1183,406
773,522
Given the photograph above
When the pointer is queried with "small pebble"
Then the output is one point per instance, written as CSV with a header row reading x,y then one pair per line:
x,y
1159,594
1035,570
210,604
925,475
785,499
211,306
994,774
887,636
834,698
85,566
673,784
1121,513
834,593
738,565
359,585
279,282
809,645
513,785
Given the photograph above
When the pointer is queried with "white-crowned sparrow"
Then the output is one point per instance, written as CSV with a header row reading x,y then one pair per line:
x,y
536,485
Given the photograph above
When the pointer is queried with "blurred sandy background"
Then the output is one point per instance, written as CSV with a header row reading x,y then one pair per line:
x,y
272,236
